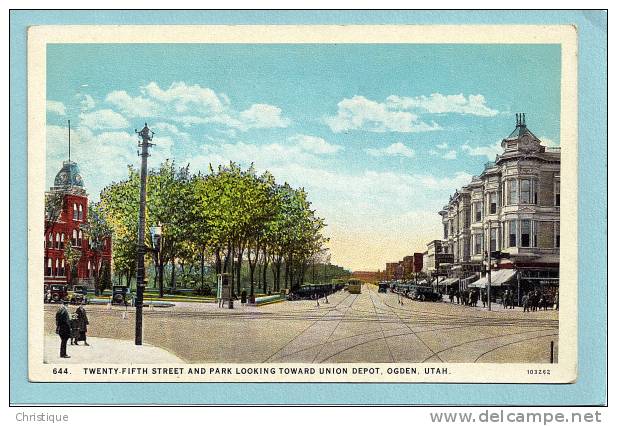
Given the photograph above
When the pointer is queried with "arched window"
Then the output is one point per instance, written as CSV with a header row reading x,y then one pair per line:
x,y
48,267
62,272
62,241
80,238
81,212
75,211
57,240
57,266
74,239
89,270
50,240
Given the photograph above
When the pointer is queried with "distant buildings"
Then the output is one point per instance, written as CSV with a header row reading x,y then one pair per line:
x,y
369,276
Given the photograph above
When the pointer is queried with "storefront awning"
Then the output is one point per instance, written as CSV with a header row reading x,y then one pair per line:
x,y
498,278
448,281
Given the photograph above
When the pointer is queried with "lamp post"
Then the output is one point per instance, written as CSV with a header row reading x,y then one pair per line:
x,y
146,136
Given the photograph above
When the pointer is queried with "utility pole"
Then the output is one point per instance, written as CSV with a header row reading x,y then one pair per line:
x,y
146,136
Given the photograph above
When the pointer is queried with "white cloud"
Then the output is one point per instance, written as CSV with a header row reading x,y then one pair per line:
x,y
315,144
195,105
549,142
56,107
260,116
137,106
450,155
360,113
184,97
487,151
438,103
103,119
396,149
443,145
163,129
86,102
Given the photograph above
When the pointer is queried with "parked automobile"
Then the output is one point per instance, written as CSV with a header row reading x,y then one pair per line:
x,y
383,287
426,294
79,294
55,293
121,295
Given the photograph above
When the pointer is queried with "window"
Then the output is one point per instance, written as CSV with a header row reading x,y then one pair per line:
x,y
62,241
477,207
80,237
512,192
512,233
525,233
557,193
81,212
50,240
62,272
57,240
477,244
492,203
75,214
74,239
493,239
89,270
556,234
57,266
525,191
48,270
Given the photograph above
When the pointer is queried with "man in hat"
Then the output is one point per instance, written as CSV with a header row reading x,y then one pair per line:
x,y
63,327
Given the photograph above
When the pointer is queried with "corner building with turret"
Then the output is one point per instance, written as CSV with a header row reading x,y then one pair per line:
x,y
511,210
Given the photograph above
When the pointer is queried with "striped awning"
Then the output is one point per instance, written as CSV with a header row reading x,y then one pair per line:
x,y
498,278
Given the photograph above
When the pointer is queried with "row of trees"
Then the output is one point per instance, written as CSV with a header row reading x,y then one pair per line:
x,y
224,219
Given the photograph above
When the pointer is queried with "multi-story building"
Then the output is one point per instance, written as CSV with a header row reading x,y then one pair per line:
x,y
510,210
64,225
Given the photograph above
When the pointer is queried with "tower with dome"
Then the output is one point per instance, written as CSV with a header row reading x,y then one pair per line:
x,y
66,215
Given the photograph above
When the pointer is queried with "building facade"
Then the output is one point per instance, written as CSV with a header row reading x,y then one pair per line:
x,y
511,210
66,217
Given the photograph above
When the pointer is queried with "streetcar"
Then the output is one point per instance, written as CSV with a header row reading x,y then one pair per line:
x,y
354,286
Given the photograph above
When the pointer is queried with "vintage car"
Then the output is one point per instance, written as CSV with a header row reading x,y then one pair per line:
x,y
425,294
383,287
79,294
55,293
121,295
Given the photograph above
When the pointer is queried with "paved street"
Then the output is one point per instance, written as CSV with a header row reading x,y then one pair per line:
x,y
370,327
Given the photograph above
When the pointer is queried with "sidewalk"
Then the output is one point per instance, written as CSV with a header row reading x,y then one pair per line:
x,y
103,350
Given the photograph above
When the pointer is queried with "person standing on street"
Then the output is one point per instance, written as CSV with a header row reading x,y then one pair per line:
x,y
63,327
82,324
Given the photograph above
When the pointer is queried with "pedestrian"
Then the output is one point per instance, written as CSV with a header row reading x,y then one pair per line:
x,y
48,296
82,324
525,303
63,327
556,300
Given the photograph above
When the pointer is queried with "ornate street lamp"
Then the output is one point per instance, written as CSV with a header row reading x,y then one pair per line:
x,y
146,136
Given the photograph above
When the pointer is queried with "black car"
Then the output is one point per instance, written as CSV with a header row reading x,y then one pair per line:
x,y
383,288
121,295
426,294
79,294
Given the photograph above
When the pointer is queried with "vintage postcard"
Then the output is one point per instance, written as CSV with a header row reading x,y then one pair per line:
x,y
302,203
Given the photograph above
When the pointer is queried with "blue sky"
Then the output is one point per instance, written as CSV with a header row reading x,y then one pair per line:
x,y
378,134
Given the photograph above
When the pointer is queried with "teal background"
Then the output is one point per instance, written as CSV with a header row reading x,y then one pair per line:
x,y
591,386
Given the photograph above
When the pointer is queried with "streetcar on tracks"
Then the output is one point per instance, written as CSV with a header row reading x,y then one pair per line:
x,y
354,286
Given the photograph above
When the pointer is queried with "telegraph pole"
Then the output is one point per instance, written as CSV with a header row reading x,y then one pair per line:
x,y
146,137
488,286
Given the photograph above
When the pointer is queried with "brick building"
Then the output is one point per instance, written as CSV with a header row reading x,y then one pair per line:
x,y
64,224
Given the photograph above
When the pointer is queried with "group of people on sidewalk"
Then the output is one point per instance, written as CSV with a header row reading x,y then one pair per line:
x,y
71,326
531,302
